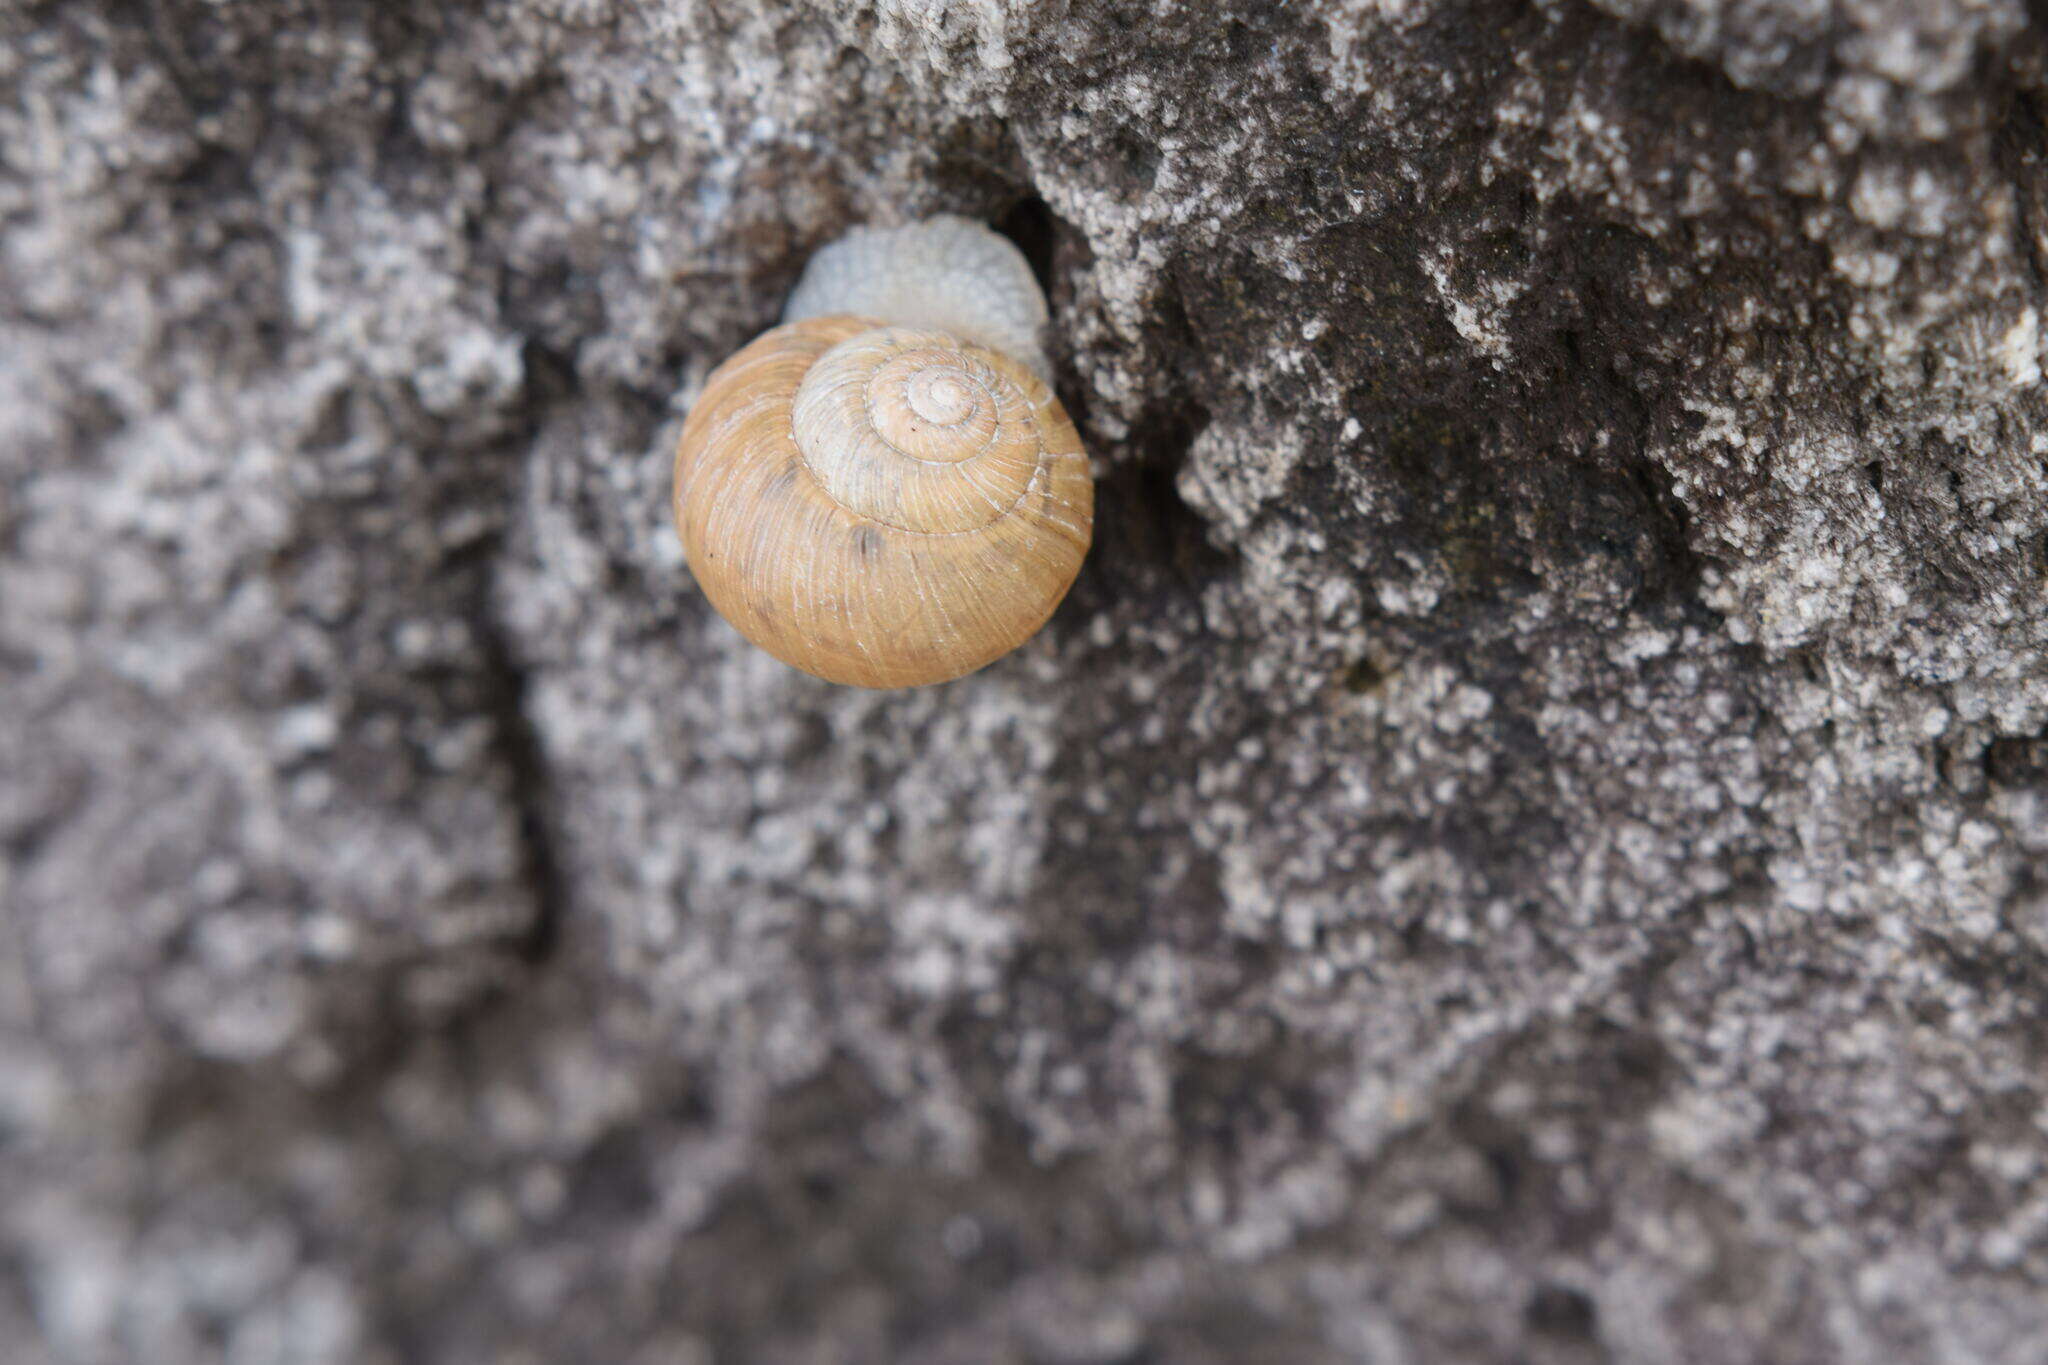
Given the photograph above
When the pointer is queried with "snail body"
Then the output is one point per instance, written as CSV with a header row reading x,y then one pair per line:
x,y
873,493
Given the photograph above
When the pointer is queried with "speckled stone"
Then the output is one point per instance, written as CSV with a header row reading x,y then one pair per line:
x,y
1523,845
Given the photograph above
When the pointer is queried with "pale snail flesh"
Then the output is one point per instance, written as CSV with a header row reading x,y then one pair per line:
x,y
870,492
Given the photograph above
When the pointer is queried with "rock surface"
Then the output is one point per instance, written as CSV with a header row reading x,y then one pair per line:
x,y
1525,843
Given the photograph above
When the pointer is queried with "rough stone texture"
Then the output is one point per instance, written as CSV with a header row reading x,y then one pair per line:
x,y
1524,845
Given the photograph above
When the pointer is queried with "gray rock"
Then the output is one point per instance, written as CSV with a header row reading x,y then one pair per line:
x,y
1524,845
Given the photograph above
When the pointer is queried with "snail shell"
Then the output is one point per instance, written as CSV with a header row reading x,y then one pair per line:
x,y
881,505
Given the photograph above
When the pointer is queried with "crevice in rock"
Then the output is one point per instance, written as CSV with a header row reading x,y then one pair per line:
x,y
1030,224
532,786
1141,518
550,382
2018,147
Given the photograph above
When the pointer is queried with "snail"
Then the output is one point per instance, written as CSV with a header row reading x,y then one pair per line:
x,y
883,490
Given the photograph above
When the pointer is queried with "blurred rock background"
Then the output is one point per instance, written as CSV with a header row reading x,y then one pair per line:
x,y
1524,845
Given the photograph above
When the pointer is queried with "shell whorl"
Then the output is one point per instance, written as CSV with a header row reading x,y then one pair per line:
x,y
946,272
914,430
887,506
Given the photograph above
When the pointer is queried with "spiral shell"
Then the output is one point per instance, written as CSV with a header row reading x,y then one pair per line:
x,y
885,506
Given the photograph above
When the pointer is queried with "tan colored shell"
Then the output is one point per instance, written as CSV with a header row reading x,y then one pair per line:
x,y
885,506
